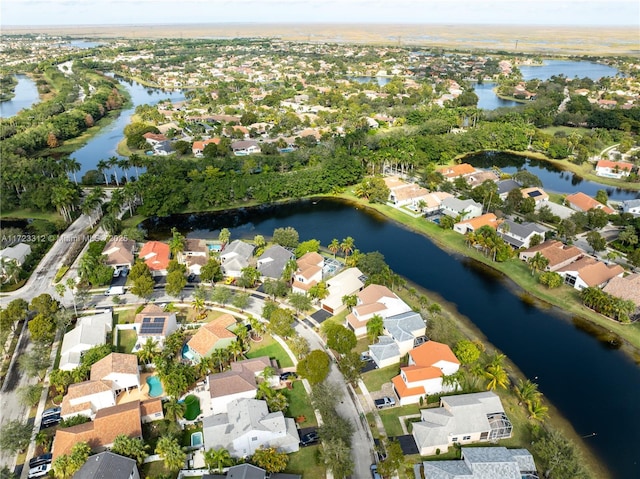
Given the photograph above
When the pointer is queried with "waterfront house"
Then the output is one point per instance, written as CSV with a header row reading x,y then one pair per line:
x,y
345,283
156,255
613,169
519,235
235,257
625,287
454,171
474,224
461,419
119,252
309,272
194,256
455,207
272,262
538,194
589,272
374,300
581,202
631,206
557,253
505,186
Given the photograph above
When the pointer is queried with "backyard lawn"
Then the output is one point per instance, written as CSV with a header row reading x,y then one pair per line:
x,y
270,347
376,378
124,317
126,340
157,469
304,462
300,405
390,417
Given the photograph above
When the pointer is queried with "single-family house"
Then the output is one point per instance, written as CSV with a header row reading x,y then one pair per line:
x,y
461,419
581,202
538,194
154,138
625,287
156,255
519,235
427,365
87,398
455,207
481,463
474,224
214,335
121,369
235,257
432,202
248,425
589,272
194,255
402,193
153,323
478,177
557,253
454,171
240,381
374,300
119,252
309,272
505,186
162,148
107,465
631,206
613,169
385,352
14,254
100,433
245,147
561,211
345,283
90,331
198,146
151,410
404,328
272,262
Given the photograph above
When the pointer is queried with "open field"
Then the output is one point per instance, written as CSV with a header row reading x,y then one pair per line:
x,y
530,39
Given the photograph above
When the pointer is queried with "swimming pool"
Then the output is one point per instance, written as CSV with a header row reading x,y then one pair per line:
x,y
215,247
186,353
196,439
155,387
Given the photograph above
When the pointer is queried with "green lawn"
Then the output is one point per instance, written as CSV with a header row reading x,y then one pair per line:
x,y
126,340
269,347
29,214
124,317
376,378
157,469
390,418
305,462
300,405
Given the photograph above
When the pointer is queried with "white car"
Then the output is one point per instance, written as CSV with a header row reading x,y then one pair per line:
x,y
39,471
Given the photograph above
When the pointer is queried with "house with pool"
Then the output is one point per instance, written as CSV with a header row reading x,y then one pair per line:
x,y
234,257
153,323
121,369
216,334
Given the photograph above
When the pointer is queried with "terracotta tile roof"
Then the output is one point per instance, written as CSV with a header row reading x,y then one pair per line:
x,y
156,255
81,390
108,423
457,170
155,136
556,252
355,322
488,219
114,363
627,287
408,191
241,377
420,373
200,145
310,259
150,407
431,352
584,202
621,165
208,335
592,271
196,246
404,391
304,286
374,292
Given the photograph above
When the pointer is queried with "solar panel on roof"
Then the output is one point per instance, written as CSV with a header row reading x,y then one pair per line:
x,y
152,326
146,320
533,194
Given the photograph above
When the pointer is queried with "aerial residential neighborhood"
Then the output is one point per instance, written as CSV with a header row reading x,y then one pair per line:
x,y
254,257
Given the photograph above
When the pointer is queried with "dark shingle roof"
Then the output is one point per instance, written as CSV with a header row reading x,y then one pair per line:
x,y
106,465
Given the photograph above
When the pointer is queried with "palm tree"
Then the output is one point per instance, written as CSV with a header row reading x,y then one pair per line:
x,y
257,328
177,242
149,351
495,373
220,357
527,391
235,349
350,301
125,164
198,306
174,410
113,162
171,452
375,327
537,410
217,459
258,241
103,166
334,246
347,245
224,236
206,365
290,267
537,263
136,161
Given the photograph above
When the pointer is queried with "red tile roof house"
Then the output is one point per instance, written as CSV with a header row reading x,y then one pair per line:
x,y
309,272
154,138
198,146
626,287
613,169
589,272
211,336
156,255
153,323
121,369
474,224
101,432
454,171
374,300
428,363
240,381
581,202
558,254
87,398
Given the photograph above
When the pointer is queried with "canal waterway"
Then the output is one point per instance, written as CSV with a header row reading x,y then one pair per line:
x,y
25,95
595,386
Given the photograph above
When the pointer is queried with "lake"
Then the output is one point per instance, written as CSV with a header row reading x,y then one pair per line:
x,y
594,386
26,94
553,179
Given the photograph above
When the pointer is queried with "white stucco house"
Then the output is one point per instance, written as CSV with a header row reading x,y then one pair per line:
x,y
234,257
631,206
374,300
248,425
347,282
427,365
153,323
87,398
309,272
455,207
90,331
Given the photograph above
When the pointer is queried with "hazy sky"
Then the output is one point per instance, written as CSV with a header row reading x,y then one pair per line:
x,y
136,12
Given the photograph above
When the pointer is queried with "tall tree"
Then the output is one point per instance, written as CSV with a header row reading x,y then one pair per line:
x,y
172,454
270,459
217,459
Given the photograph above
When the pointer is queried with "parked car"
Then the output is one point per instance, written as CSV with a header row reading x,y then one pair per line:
x,y
365,356
309,438
52,411
385,402
191,278
114,291
420,340
288,376
39,471
50,421
374,472
40,460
